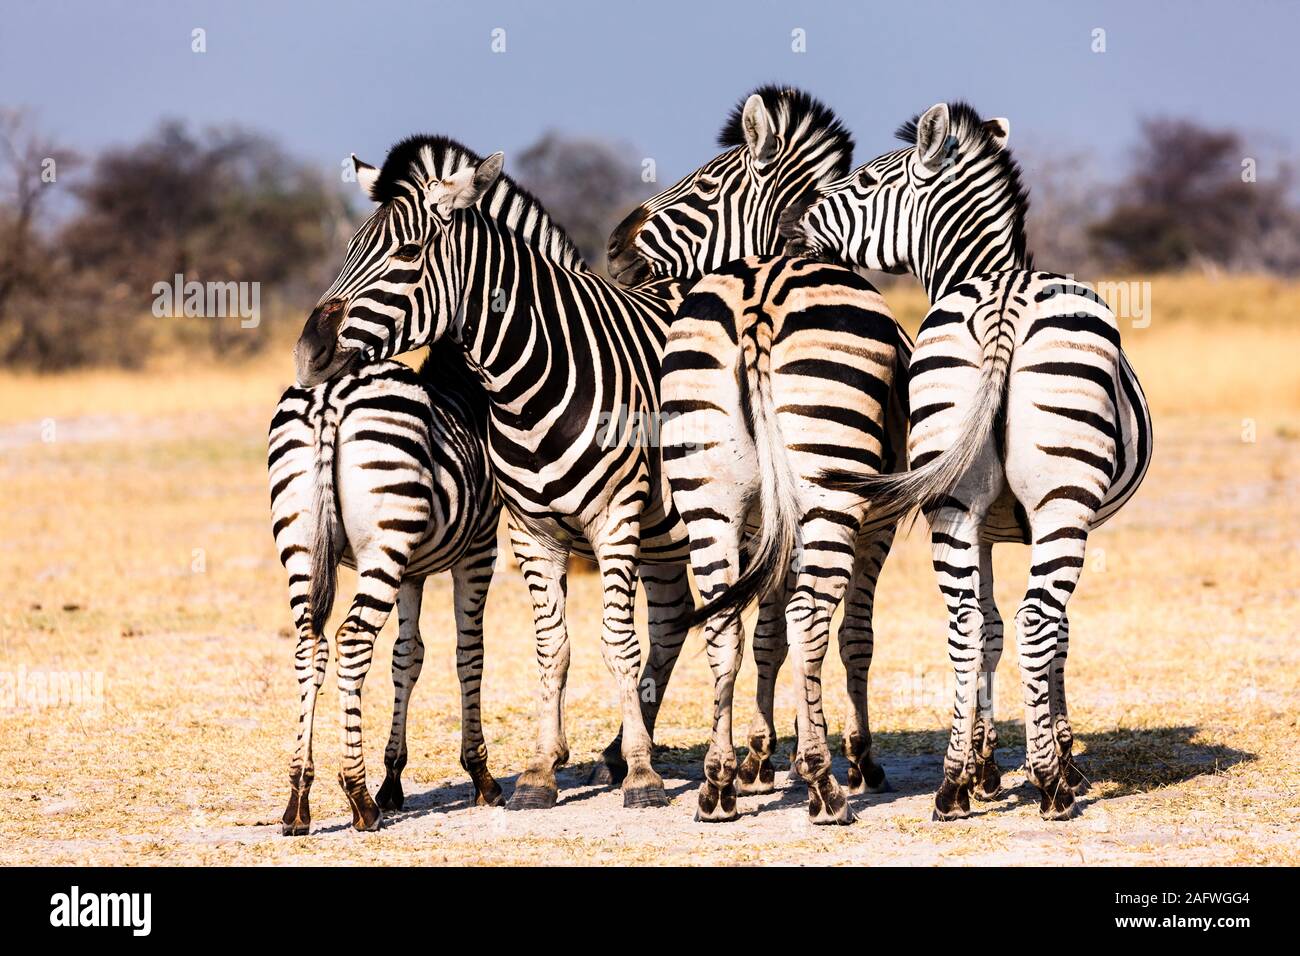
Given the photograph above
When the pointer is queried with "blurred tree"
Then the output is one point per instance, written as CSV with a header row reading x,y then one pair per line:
x,y
1185,202
30,166
226,206
588,185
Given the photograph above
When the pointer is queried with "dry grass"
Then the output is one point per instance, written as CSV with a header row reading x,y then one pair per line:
x,y
136,546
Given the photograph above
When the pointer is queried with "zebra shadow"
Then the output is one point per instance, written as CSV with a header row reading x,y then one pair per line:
x,y
1116,763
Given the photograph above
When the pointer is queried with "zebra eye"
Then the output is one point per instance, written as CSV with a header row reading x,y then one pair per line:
x,y
408,252
867,178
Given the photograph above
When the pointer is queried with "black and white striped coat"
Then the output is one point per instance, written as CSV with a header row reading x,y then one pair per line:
x,y
1027,422
777,368
383,470
455,250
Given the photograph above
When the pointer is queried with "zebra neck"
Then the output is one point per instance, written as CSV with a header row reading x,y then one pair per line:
x,y
967,256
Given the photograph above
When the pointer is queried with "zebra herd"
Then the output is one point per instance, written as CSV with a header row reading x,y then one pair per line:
x,y
797,427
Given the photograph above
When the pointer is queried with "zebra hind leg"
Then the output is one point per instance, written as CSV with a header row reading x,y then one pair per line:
x,y
1056,562
408,659
956,555
988,777
756,774
310,658
857,643
471,577
1060,713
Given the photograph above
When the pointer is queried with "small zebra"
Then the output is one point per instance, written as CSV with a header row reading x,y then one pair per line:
x,y
383,470
1027,422
456,250
776,368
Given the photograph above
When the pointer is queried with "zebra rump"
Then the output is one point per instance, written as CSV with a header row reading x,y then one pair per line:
x,y
903,494
779,528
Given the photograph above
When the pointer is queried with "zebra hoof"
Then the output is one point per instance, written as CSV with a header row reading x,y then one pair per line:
x,y
755,775
607,773
952,801
492,797
868,779
1057,801
643,789
988,782
716,804
827,805
366,816
528,796
390,796
297,815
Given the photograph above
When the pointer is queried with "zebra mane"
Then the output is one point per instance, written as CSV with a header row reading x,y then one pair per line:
x,y
421,157
792,109
967,126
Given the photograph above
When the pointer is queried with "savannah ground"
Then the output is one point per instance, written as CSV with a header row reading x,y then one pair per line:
x,y
135,547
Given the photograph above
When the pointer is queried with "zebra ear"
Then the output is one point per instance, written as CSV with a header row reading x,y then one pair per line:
x,y
367,176
485,174
760,131
931,134
1000,129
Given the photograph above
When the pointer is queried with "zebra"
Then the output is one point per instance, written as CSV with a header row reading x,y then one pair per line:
x,y
785,366
1027,422
384,470
570,362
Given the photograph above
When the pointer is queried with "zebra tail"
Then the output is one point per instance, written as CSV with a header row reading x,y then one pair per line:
x,y
325,522
903,494
779,528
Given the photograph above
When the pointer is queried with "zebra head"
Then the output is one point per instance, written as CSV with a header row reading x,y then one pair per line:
x,y
949,205
780,143
397,288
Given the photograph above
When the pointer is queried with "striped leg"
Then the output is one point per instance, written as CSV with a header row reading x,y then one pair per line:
x,y
1060,713
715,555
616,556
378,577
471,577
857,642
408,659
827,566
669,603
1056,562
545,575
756,773
955,547
310,658
988,778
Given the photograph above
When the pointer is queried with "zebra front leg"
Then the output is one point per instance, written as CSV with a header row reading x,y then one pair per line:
x,y
1060,712
669,605
545,575
408,659
988,777
616,556
310,658
471,577
756,775
1056,562
857,644
955,551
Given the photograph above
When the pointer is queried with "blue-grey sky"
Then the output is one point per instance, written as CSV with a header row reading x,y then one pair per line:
x,y
329,77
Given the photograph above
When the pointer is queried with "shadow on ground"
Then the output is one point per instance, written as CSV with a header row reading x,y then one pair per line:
x,y
1123,761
